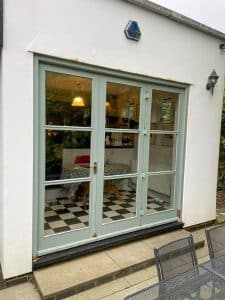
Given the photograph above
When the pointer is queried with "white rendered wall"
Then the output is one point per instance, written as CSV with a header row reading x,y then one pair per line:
x,y
1,167
17,139
91,31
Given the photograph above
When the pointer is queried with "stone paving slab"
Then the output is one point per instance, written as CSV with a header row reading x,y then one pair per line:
x,y
24,291
108,288
62,276
82,273
137,252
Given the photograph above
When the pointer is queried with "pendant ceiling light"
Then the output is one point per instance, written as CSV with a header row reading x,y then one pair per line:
x,y
78,101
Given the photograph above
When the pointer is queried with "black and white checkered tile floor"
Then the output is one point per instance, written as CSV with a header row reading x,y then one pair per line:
x,y
63,214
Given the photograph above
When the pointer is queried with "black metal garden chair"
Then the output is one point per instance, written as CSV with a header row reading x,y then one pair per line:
x,y
175,257
216,241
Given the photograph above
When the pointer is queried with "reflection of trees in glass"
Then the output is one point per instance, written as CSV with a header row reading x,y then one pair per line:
x,y
56,111
78,140
56,141
62,113
166,111
54,153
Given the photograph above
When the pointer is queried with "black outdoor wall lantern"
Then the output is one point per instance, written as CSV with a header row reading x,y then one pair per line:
x,y
222,47
212,80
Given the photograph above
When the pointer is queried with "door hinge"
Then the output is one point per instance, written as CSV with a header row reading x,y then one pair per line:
x,y
178,213
94,235
146,95
143,176
145,132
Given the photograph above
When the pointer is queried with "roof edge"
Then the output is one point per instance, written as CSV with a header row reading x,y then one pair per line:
x,y
175,16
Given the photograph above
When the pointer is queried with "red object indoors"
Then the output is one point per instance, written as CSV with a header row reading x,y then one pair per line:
x,y
81,159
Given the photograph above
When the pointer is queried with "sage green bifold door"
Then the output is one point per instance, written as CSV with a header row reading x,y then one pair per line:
x,y
119,175
67,158
162,143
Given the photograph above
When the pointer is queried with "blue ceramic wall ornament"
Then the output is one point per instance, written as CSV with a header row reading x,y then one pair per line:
x,y
132,31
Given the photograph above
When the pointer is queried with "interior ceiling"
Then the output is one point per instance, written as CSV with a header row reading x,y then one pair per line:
x,y
67,82
79,85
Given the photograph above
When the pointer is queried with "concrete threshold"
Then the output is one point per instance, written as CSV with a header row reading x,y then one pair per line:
x,y
72,277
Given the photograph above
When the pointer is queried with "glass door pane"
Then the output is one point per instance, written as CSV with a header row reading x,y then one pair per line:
x,y
68,100
162,152
122,106
160,193
119,199
120,153
66,207
164,113
67,154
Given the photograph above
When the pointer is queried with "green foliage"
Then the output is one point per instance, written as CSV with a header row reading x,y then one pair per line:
x,y
220,186
221,169
219,222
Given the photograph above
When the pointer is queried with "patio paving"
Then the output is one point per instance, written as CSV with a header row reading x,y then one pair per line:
x,y
74,276
61,276
24,291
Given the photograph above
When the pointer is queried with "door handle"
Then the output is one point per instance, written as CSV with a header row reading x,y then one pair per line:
x,y
95,167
